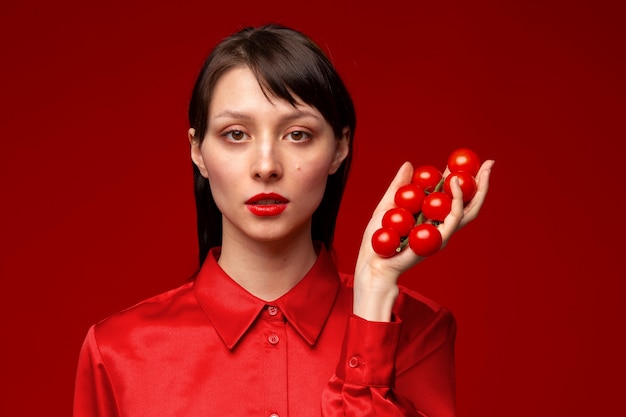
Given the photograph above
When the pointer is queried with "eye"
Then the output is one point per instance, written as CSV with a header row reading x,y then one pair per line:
x,y
299,136
235,135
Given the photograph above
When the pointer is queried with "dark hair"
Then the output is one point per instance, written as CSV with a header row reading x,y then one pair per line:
x,y
286,63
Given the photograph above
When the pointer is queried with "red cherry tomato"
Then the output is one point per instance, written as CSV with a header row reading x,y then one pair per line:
x,y
410,197
385,242
436,206
399,219
427,177
425,239
466,182
464,160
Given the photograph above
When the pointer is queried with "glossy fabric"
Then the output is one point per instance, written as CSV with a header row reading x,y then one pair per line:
x,y
210,348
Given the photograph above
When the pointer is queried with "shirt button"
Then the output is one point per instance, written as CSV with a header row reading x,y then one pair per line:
x,y
353,362
272,311
273,339
274,415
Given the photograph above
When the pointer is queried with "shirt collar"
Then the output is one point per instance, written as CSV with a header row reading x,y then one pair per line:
x,y
232,310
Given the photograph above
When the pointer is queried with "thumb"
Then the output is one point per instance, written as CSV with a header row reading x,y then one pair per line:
x,y
403,177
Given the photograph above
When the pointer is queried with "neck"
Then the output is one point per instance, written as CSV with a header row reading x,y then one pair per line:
x,y
267,269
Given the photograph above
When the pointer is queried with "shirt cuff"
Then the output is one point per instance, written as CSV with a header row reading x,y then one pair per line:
x,y
369,352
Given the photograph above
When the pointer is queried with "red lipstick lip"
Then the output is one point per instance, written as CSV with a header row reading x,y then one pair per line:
x,y
269,198
267,204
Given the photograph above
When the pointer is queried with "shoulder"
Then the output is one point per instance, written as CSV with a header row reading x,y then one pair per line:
x,y
412,303
426,325
412,307
159,310
417,312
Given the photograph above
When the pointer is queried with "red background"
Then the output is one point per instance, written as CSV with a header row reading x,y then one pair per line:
x,y
96,192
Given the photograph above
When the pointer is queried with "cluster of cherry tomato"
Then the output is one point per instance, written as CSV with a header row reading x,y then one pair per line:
x,y
423,204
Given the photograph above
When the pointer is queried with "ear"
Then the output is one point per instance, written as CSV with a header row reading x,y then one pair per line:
x,y
341,152
196,152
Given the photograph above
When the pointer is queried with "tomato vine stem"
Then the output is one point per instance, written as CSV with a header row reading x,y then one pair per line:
x,y
439,186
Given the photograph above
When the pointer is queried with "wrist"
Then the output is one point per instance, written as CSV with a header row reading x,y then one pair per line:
x,y
374,301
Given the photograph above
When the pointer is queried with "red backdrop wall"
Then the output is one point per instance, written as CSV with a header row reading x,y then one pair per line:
x,y
96,193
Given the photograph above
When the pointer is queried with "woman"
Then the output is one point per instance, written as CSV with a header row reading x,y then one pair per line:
x,y
268,327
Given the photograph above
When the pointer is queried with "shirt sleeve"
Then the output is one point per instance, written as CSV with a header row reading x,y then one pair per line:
x,y
93,393
367,382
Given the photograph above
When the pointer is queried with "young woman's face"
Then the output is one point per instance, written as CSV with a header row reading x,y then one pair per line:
x,y
267,161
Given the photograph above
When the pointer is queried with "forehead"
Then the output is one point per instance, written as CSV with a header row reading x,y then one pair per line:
x,y
239,91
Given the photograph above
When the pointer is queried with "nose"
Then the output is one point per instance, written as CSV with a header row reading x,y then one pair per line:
x,y
266,165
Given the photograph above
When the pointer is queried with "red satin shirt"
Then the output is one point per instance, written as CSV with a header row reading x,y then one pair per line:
x,y
210,348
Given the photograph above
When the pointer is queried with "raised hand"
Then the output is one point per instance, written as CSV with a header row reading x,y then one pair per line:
x,y
375,280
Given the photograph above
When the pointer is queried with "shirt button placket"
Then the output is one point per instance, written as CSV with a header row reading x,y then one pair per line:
x,y
274,361
273,339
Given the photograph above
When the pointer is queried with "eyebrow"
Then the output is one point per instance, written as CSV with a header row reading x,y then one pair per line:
x,y
246,116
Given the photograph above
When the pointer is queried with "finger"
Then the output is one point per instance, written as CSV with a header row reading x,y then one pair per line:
x,y
482,187
403,176
455,217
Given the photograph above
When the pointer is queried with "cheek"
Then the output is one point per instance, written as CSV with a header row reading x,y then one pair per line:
x,y
318,169
312,179
217,162
316,164
221,179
